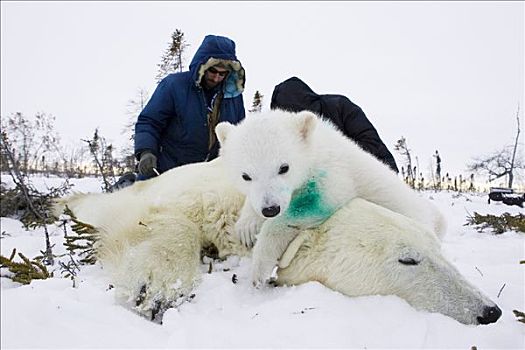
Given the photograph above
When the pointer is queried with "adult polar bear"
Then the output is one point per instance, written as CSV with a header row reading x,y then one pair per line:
x,y
298,169
152,233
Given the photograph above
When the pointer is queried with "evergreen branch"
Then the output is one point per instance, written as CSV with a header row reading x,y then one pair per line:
x,y
499,224
82,232
26,271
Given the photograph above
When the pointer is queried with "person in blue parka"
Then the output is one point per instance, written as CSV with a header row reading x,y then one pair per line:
x,y
177,126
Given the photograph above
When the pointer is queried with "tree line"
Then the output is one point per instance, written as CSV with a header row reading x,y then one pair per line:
x,y
505,162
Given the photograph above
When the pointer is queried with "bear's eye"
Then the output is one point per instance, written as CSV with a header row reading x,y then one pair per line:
x,y
246,177
284,169
408,261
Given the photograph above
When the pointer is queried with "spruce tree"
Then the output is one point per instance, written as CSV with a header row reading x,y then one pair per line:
x,y
402,147
172,57
257,102
438,171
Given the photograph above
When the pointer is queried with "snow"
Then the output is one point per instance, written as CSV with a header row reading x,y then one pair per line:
x,y
54,313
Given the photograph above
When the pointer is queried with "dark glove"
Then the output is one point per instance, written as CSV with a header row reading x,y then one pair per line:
x,y
147,162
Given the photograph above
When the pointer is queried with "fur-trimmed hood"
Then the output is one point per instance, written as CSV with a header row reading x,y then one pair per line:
x,y
219,50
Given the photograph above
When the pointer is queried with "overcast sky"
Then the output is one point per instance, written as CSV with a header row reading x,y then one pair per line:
x,y
445,75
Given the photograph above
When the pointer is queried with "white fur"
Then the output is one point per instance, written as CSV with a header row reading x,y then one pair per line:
x,y
316,153
361,246
152,234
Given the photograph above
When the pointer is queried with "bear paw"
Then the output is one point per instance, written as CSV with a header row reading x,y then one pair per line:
x,y
153,304
264,273
247,227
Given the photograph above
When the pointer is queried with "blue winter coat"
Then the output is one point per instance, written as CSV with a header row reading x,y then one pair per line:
x,y
174,123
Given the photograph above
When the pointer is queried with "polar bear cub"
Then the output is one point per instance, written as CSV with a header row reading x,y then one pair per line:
x,y
296,170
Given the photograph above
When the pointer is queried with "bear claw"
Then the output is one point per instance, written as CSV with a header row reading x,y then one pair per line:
x,y
141,296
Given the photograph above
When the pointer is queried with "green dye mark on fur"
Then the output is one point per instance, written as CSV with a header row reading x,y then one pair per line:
x,y
307,203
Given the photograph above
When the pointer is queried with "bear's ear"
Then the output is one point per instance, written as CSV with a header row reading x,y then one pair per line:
x,y
222,130
305,122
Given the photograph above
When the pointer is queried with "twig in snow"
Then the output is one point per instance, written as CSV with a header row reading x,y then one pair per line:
x,y
519,315
481,273
504,284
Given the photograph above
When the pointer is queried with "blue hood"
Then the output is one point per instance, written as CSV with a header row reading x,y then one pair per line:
x,y
219,49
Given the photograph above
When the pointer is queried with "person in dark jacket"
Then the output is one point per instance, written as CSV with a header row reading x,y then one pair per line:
x,y
294,95
177,126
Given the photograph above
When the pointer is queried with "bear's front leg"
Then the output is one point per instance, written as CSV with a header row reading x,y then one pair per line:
x,y
248,225
274,238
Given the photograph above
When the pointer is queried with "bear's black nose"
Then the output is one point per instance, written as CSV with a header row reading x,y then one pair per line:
x,y
272,211
490,314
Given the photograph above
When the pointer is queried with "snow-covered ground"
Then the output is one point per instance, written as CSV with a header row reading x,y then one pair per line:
x,y
53,314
